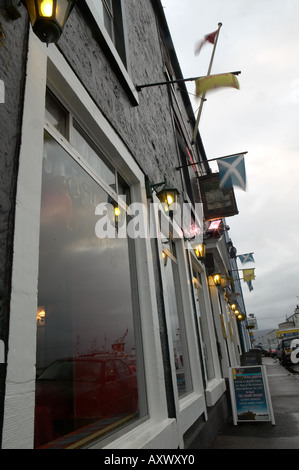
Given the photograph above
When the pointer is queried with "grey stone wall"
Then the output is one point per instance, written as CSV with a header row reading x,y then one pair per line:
x,y
147,129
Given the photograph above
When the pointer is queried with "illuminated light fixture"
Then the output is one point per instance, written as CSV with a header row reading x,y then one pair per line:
x,y
215,225
233,306
215,228
41,316
165,257
118,216
168,196
200,251
47,17
117,211
217,279
241,316
237,312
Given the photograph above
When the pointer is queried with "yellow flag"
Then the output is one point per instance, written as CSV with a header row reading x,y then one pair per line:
x,y
248,274
210,82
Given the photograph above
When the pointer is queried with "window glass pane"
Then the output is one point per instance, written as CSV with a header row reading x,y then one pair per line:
x,y
56,114
86,316
83,145
104,8
203,326
178,333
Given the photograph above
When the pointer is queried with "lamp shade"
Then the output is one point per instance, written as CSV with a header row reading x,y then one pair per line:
x,y
48,17
168,196
217,279
200,251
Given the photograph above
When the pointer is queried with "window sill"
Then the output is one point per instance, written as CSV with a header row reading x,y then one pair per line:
x,y
149,435
215,390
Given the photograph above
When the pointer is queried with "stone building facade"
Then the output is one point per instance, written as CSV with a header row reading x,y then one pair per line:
x,y
108,341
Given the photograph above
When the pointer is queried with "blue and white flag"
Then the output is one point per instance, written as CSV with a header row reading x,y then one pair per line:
x,y
246,258
232,172
250,286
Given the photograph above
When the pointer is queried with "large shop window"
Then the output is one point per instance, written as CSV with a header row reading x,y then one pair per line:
x,y
89,367
176,316
203,325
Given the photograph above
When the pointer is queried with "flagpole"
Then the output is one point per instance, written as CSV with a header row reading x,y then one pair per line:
x,y
210,160
203,96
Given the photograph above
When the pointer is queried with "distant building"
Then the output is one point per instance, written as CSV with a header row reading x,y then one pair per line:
x,y
252,321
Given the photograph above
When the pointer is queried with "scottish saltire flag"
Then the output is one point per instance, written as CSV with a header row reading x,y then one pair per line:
x,y
246,258
232,172
250,286
248,274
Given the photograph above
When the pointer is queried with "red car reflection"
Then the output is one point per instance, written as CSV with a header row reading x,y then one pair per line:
x,y
72,393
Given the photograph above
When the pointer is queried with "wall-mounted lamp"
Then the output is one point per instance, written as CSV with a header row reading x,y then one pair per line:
x,y
241,316
200,251
233,306
165,258
167,195
41,316
217,279
47,17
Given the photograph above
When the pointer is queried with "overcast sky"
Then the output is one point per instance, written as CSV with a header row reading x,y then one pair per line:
x,y
261,39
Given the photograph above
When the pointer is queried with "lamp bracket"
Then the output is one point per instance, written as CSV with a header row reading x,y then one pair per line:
x,y
12,8
149,187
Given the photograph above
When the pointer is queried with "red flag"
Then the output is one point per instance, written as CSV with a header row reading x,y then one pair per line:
x,y
208,38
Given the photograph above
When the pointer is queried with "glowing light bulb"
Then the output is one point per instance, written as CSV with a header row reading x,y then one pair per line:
x,y
46,8
169,199
116,211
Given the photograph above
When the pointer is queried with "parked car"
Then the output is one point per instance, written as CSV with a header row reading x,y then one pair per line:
x,y
284,350
75,392
272,351
264,351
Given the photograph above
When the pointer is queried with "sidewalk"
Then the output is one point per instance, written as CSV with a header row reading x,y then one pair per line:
x,y
284,390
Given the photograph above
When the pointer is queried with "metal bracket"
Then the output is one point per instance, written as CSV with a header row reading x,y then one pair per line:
x,y
12,8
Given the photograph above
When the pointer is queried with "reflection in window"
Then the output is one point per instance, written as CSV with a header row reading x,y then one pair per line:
x,y
203,326
84,146
56,114
87,377
178,333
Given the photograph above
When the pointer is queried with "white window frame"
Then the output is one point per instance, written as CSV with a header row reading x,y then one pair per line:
x,y
216,386
18,425
192,405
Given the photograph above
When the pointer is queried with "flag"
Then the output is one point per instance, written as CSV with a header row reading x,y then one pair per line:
x,y
211,82
250,286
232,172
208,38
246,258
248,274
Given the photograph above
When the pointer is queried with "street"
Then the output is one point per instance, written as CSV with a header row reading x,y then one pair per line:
x,y
284,391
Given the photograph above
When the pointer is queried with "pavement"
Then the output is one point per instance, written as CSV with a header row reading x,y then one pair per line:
x,y
284,391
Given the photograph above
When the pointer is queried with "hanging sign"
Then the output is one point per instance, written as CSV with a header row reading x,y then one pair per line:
x,y
217,203
251,399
